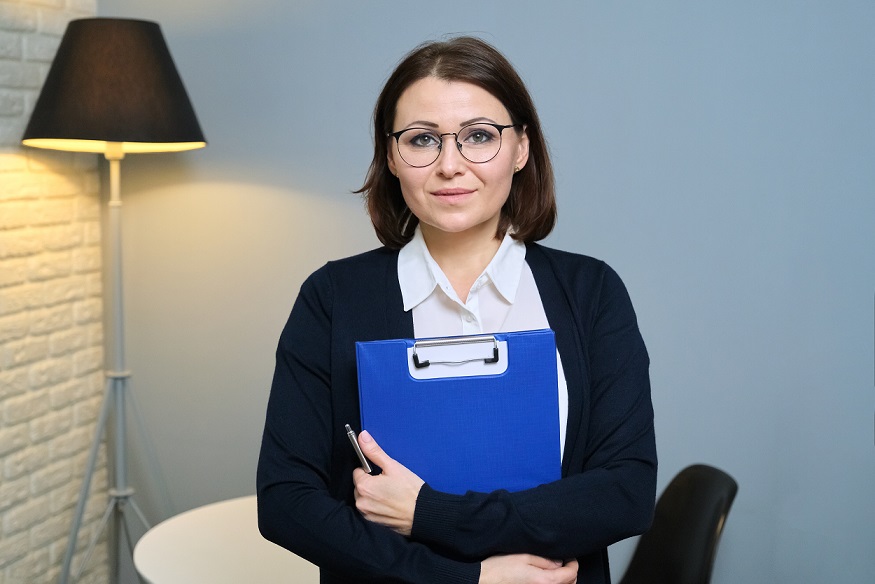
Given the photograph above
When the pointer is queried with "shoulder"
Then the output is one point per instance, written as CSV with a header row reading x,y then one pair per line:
x,y
588,284
561,257
368,260
358,284
571,269
380,255
360,268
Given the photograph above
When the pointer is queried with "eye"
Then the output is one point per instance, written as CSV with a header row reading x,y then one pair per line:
x,y
420,139
477,135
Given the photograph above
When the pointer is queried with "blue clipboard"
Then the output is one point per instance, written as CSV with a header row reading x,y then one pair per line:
x,y
474,413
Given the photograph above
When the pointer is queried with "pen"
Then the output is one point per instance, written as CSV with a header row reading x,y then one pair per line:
x,y
350,433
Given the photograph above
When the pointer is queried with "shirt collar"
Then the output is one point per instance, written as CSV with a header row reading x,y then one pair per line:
x,y
415,275
419,274
506,267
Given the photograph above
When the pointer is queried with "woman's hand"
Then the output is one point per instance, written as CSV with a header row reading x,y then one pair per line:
x,y
526,569
388,498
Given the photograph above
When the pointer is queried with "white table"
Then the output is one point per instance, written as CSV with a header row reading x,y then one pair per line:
x,y
218,543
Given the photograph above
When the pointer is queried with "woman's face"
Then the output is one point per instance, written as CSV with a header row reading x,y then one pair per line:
x,y
454,195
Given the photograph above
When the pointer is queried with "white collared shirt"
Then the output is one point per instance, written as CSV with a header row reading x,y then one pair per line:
x,y
504,298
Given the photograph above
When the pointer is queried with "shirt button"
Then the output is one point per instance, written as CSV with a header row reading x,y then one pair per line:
x,y
469,318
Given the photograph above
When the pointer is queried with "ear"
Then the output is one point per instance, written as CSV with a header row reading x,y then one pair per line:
x,y
390,158
522,151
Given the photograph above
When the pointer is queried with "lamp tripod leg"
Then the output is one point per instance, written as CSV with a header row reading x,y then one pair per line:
x,y
120,495
95,537
139,513
128,538
117,503
86,485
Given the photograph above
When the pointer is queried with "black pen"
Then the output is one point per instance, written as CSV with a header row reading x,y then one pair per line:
x,y
350,433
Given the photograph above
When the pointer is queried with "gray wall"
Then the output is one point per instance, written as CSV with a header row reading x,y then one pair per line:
x,y
718,155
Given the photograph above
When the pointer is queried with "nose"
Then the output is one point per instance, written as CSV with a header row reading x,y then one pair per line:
x,y
449,159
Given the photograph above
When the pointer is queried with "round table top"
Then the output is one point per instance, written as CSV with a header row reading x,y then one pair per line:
x,y
217,543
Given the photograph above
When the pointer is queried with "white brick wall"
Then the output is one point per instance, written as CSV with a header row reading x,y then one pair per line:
x,y
51,379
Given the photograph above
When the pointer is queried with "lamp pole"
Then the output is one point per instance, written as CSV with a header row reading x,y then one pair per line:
x,y
120,493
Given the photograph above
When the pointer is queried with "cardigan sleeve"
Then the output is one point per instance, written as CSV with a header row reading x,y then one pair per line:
x,y
296,507
608,493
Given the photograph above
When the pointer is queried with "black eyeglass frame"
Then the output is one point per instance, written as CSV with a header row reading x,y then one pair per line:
x,y
499,127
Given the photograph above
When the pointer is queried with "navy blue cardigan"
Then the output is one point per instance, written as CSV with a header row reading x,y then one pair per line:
x,y
304,480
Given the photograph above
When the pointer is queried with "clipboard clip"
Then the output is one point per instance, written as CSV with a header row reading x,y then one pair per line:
x,y
455,341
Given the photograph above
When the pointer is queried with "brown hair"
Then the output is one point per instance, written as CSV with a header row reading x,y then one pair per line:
x,y
531,206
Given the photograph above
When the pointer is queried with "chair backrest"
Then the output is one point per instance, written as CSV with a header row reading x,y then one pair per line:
x,y
681,544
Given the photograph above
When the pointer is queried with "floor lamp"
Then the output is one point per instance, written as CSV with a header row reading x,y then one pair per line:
x,y
112,89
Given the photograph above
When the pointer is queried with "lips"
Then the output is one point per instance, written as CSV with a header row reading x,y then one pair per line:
x,y
452,192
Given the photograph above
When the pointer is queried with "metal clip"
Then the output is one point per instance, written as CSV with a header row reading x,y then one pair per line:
x,y
455,341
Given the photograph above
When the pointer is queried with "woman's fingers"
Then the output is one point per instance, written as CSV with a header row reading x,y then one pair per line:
x,y
390,497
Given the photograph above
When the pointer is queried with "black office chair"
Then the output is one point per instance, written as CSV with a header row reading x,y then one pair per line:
x,y
681,544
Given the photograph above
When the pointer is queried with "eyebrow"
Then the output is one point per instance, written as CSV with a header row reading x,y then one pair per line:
x,y
427,124
477,120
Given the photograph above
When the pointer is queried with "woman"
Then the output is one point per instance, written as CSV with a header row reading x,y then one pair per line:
x,y
459,190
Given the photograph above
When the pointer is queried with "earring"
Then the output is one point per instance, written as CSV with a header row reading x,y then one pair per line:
x,y
516,169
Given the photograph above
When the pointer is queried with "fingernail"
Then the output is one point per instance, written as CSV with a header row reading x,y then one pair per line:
x,y
365,436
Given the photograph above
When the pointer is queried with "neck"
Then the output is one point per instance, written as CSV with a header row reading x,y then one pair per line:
x,y
462,256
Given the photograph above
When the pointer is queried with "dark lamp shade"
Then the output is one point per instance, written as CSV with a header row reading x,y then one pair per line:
x,y
113,81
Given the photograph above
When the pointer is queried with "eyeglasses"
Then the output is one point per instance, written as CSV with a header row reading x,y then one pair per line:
x,y
478,143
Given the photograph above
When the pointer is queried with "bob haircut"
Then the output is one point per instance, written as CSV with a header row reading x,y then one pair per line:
x,y
530,209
